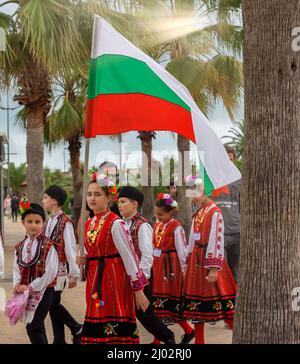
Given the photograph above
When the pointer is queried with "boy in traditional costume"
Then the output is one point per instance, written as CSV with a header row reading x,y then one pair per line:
x,y
209,288
60,229
35,268
130,200
115,281
170,252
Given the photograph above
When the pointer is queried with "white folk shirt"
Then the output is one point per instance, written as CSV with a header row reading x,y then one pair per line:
x,y
124,245
180,245
70,251
38,285
215,246
145,238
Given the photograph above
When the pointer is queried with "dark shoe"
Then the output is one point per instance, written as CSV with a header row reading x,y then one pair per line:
x,y
77,338
186,338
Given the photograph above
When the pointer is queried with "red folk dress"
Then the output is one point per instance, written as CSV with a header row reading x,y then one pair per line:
x,y
112,274
204,301
170,253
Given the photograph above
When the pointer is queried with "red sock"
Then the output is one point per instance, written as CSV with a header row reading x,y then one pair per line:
x,y
229,322
155,341
199,333
186,327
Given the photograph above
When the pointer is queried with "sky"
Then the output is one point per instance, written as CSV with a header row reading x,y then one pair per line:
x,y
102,148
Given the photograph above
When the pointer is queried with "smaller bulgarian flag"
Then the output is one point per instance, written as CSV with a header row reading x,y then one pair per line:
x,y
128,90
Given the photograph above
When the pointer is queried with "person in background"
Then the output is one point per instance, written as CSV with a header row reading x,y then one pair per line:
x,y
229,203
14,208
7,206
23,197
110,170
173,190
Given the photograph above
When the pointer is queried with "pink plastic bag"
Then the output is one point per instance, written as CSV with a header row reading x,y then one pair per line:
x,y
15,307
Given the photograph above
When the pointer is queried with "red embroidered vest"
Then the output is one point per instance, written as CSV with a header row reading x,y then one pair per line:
x,y
36,268
57,236
167,241
202,221
137,221
103,244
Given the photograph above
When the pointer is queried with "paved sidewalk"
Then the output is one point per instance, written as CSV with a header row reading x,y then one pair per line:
x,y
74,300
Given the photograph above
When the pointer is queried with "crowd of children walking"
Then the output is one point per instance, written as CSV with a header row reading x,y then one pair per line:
x,y
132,270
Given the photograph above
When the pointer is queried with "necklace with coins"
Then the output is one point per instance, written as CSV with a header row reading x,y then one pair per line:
x,y
92,232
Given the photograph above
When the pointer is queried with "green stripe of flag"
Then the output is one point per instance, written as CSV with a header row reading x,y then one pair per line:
x,y
117,74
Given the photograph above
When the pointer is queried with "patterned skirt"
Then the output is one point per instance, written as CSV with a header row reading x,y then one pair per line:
x,y
167,286
111,318
204,301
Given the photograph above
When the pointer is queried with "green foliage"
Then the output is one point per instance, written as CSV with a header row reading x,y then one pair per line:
x,y
57,177
235,139
17,176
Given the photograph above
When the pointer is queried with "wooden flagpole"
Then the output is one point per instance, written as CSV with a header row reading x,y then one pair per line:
x,y
83,204
96,38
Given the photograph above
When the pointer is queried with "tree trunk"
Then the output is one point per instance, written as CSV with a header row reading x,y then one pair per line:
x,y
184,214
148,205
270,206
74,149
35,156
35,95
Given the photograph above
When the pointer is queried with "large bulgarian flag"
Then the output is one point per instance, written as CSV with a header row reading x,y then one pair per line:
x,y
128,90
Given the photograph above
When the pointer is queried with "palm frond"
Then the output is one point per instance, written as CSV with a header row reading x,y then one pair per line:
x,y
236,138
50,33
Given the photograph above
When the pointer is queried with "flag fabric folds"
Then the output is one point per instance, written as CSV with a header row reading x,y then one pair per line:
x,y
128,90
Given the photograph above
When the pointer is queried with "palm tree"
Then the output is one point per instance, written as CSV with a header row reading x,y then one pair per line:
x,y
197,61
41,40
267,309
68,114
44,39
146,139
67,123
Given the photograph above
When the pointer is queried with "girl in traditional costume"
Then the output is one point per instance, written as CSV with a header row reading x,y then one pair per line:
x,y
115,281
209,288
170,253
